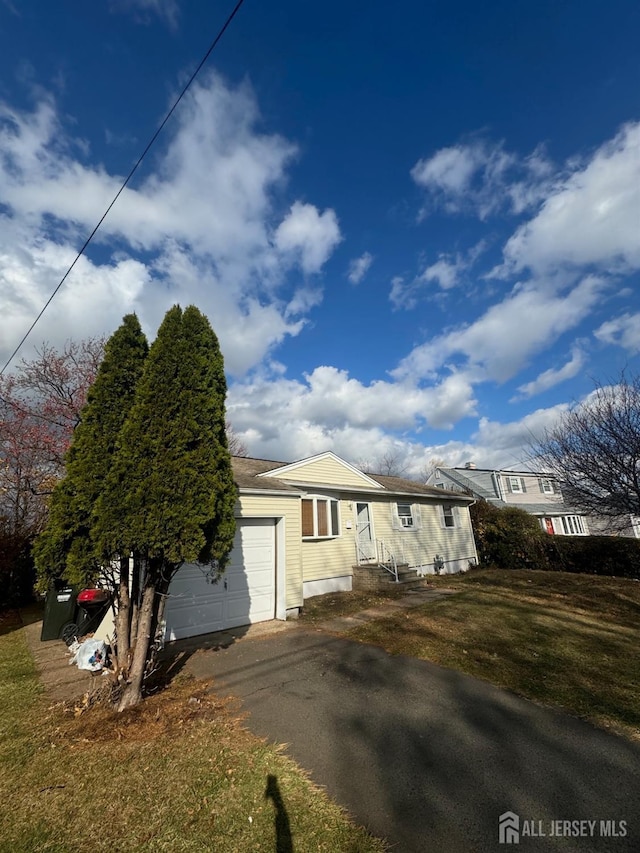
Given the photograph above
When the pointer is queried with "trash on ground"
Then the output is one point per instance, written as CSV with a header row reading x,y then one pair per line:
x,y
91,655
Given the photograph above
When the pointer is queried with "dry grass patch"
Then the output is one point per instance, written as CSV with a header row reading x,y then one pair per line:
x,y
178,773
333,604
570,641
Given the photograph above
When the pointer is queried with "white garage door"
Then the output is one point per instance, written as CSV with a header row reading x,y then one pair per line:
x,y
243,595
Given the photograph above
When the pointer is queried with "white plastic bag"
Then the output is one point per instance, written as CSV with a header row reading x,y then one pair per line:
x,y
91,655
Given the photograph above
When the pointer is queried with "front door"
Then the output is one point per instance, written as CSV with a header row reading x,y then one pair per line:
x,y
364,533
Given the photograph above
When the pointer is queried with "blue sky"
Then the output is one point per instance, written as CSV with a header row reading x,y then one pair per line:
x,y
415,227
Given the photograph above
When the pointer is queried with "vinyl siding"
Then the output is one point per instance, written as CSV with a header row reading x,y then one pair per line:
x,y
288,507
419,546
533,493
323,559
328,471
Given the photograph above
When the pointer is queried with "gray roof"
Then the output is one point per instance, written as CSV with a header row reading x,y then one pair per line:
x,y
481,483
246,471
401,486
548,509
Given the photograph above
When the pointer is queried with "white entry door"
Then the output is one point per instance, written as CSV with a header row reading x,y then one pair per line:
x,y
364,532
244,594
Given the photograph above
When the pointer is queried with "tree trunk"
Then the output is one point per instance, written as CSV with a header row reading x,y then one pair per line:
x,y
136,585
133,691
123,619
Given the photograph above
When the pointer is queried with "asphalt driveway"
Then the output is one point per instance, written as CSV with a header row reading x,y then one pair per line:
x,y
425,756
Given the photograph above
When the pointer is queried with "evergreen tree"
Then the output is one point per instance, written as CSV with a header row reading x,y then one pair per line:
x,y
66,548
170,494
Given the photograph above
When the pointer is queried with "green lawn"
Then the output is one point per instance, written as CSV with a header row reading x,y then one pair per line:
x,y
178,773
571,641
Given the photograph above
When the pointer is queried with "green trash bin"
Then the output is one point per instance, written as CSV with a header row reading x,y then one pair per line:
x,y
59,610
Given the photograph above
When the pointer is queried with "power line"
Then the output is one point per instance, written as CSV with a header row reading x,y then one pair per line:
x,y
126,181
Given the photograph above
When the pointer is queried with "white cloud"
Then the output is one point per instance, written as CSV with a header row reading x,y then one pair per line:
x,y
481,178
331,399
308,234
517,436
554,376
447,272
444,272
449,170
165,9
623,331
280,418
204,218
589,217
359,267
500,342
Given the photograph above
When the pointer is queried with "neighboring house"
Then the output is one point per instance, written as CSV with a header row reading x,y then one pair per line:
x,y
537,494
305,527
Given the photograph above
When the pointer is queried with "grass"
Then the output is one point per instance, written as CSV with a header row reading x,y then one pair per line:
x,y
178,773
334,604
564,640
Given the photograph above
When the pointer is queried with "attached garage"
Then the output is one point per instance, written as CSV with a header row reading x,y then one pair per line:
x,y
245,594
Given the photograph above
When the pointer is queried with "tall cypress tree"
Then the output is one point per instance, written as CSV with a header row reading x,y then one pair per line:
x,y
66,547
170,494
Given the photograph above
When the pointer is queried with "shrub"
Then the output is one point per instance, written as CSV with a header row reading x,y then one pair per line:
x,y
508,538
17,572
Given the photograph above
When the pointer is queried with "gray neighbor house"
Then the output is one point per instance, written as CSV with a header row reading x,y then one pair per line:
x,y
538,494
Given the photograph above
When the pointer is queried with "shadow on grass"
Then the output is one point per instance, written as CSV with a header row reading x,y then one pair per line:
x,y
12,619
284,842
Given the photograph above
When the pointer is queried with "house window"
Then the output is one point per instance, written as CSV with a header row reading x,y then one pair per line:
x,y
547,525
320,518
405,515
572,525
447,516
516,485
546,487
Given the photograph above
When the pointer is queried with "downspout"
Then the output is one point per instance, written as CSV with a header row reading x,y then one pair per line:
x,y
495,476
473,536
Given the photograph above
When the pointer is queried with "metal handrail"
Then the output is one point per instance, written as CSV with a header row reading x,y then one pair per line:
x,y
387,559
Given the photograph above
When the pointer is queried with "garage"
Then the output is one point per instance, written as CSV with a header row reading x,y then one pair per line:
x,y
244,594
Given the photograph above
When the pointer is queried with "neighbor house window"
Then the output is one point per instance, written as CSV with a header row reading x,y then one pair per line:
x,y
546,487
320,518
448,516
572,525
405,515
516,485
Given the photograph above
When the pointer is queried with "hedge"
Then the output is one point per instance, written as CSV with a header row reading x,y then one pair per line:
x,y
615,556
510,538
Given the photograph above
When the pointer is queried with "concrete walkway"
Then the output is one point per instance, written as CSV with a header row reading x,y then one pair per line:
x,y
61,681
413,598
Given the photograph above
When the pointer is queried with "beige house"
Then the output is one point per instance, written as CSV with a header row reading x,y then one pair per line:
x,y
305,527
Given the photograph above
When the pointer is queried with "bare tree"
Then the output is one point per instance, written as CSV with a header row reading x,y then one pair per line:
x,y
594,452
40,407
235,444
425,471
390,464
